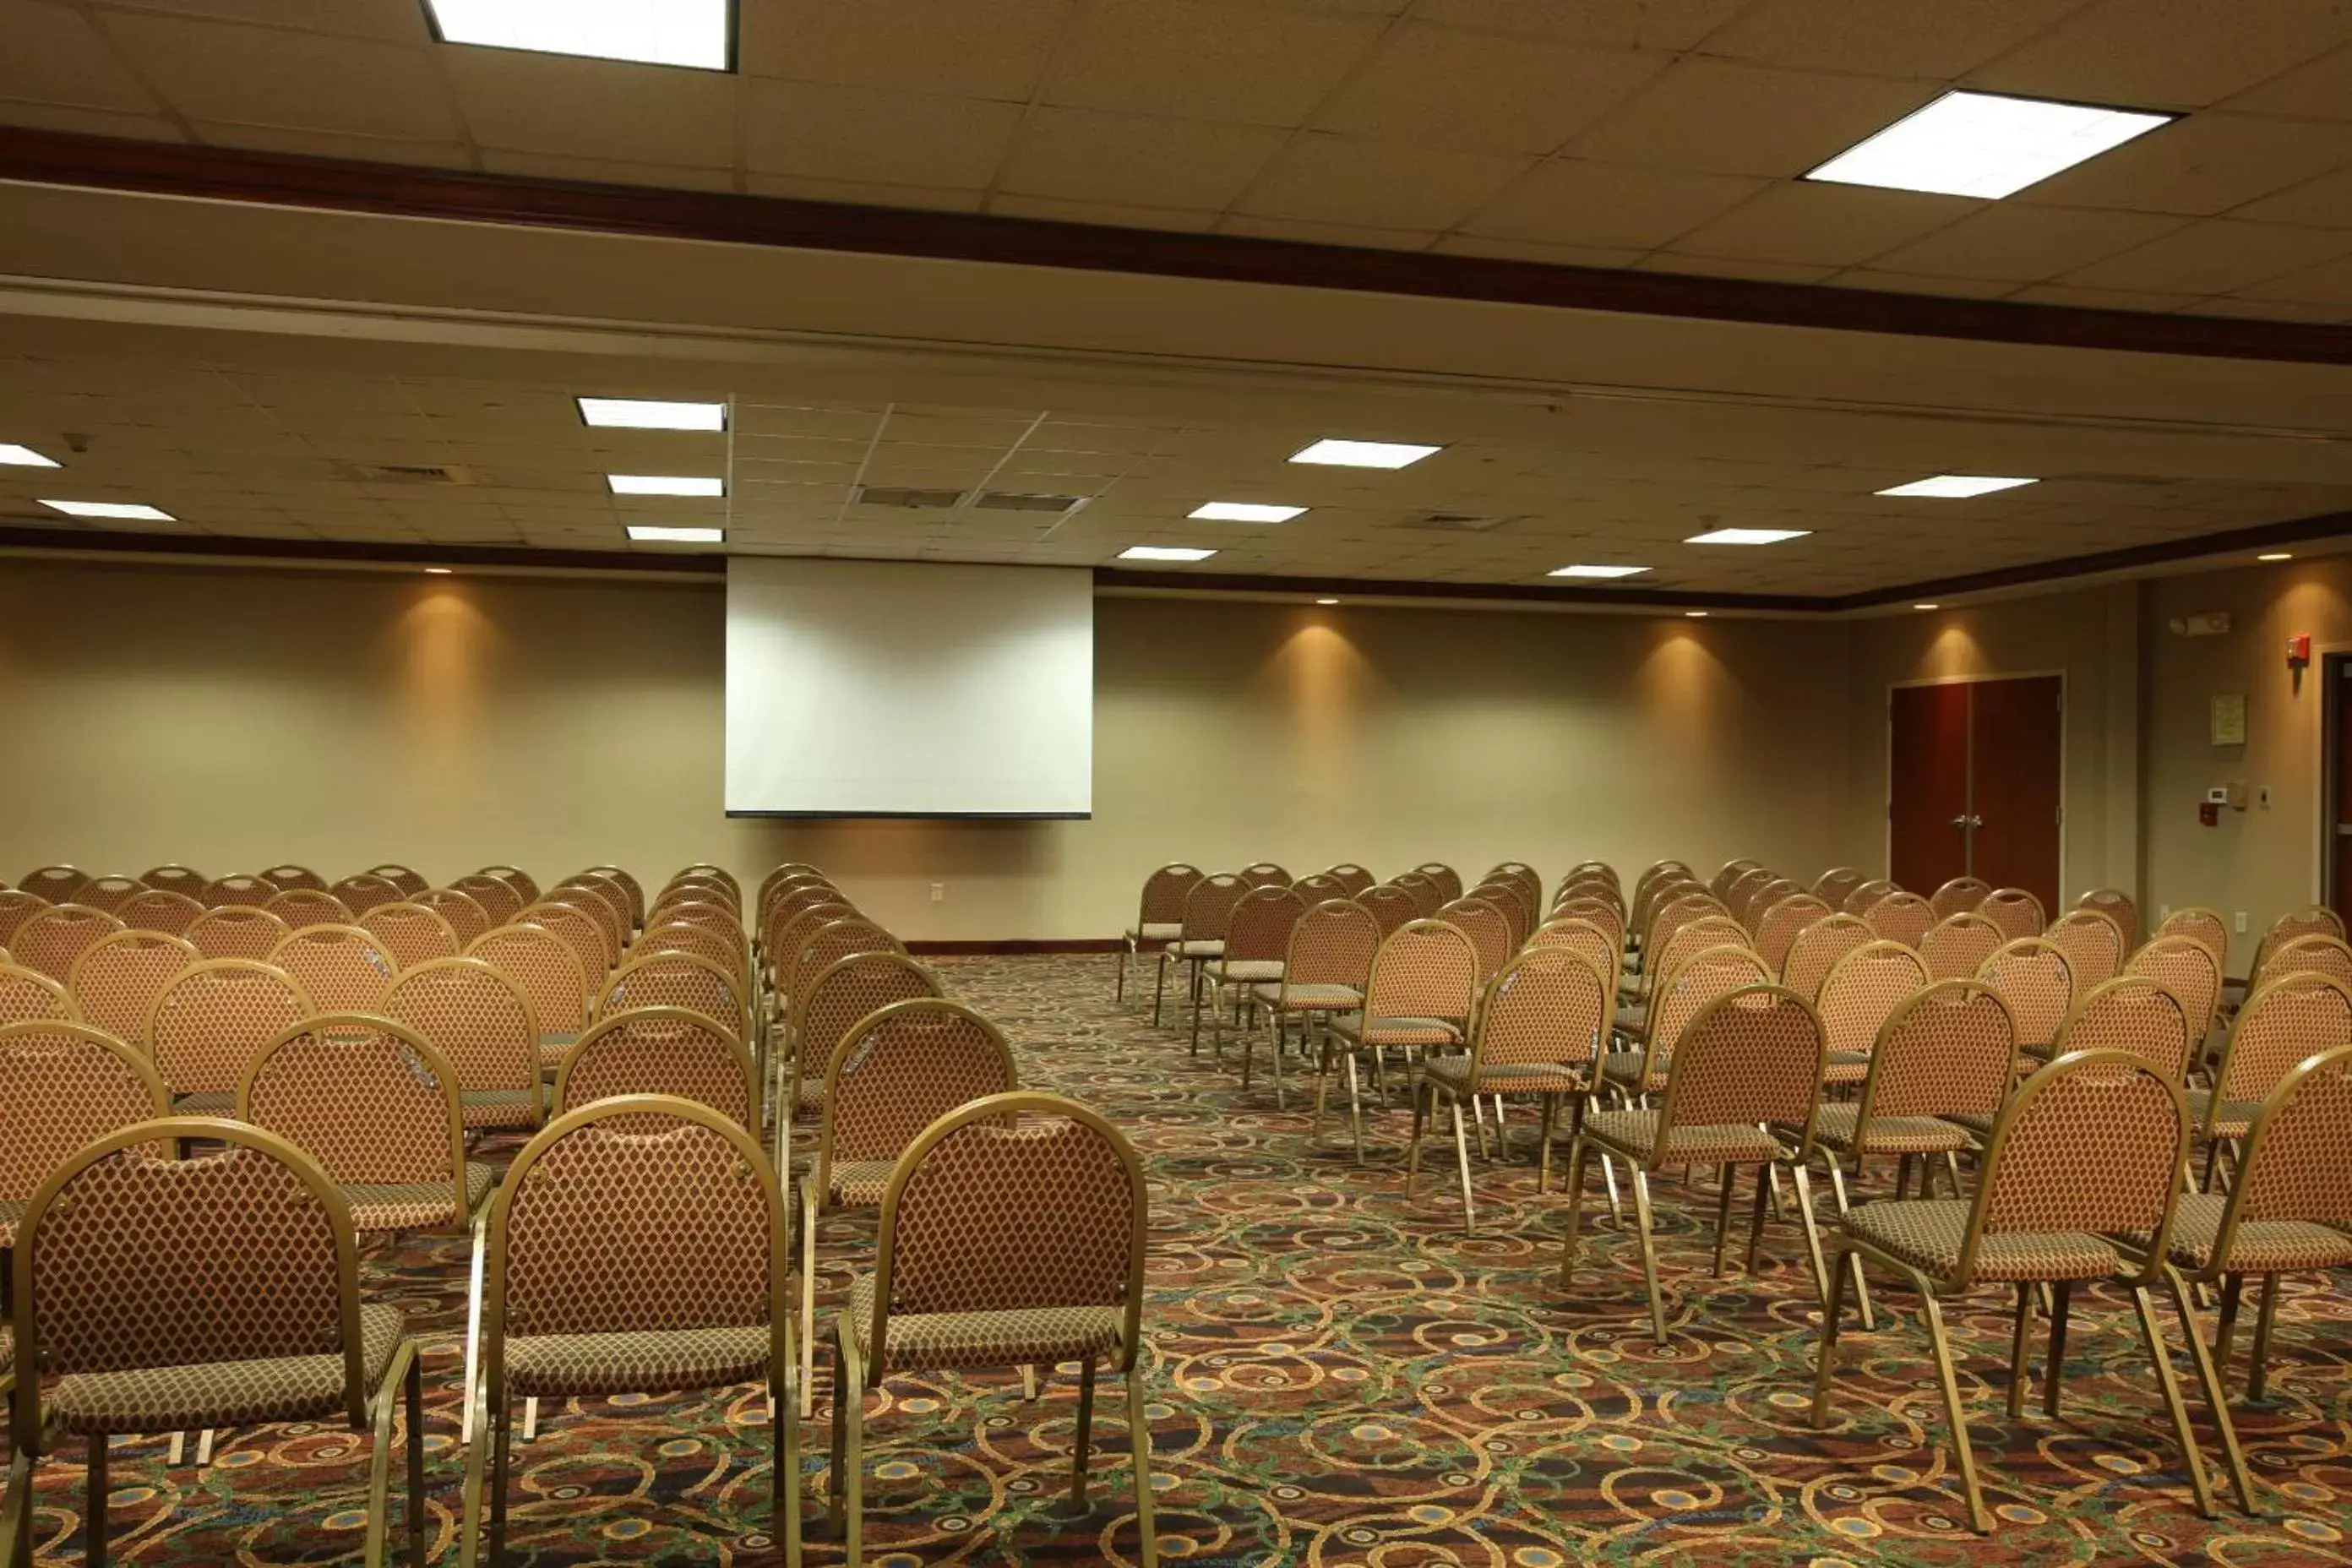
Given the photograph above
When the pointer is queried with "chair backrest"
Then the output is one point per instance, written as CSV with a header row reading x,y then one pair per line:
x,y
1948,1050
1547,1004
631,893
900,1069
117,978
1744,889
1832,884
411,933
1678,911
1448,879
236,930
1427,897
1654,896
52,939
27,994
1681,994
2033,977
1017,1202
1600,912
1317,885
790,933
720,920
17,907
2311,920
1862,991
290,875
2203,925
1353,877
2293,1166
1510,899
2278,1024
1208,906
1332,945
212,1018
1581,936
2130,1014
240,889
465,913
661,1051
407,878
1265,874
1957,946
1259,928
1753,1054
62,1086
514,877
118,1243
1900,917
342,968
835,940
1696,936
678,937
602,904
1423,969
1865,894
55,884
300,907
1959,896
580,932
1731,871
1392,907
174,878
2190,970
476,1016
2314,954
677,980
1488,928
109,892
1776,927
370,1099
364,890
1816,949
2093,944
2016,912
546,968
497,899
1755,902
847,990
159,909
2119,907
643,1214
2092,1142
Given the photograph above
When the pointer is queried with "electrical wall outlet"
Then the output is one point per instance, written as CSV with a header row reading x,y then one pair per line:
x,y
2241,922
939,895
2263,796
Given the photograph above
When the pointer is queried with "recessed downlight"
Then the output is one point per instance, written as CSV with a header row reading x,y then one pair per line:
x,y
1337,453
693,33
650,414
1594,571
436,571
1164,553
1957,487
1927,605
1244,511
2275,555
666,484
116,510
1747,536
15,457
1695,615
1327,600
655,533
1985,144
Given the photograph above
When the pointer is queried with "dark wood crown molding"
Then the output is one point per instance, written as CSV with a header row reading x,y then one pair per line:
x,y
60,158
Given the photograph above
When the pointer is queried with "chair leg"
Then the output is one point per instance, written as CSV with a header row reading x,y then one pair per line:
x,y
784,1442
1119,989
1356,1105
1649,1255
1575,1208
1322,1093
531,1418
1029,1382
2020,1330
1084,1435
94,1489
1423,1102
1159,988
1543,1143
1979,1519
1478,1115
835,1485
378,1508
2259,1375
1723,1182
413,1393
1609,1180
1952,1169
1766,1176
1812,1235
849,1484
2060,1294
204,1445
1462,1163
1139,1433
501,1435
2160,1353
469,1513
1826,1358
1853,1259
808,1301
2210,1380
16,1513
2225,1324
474,1323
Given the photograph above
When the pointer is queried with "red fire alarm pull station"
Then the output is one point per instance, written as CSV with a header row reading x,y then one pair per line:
x,y
2208,814
2298,649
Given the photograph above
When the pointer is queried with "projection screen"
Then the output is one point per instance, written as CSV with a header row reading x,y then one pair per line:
x,y
908,689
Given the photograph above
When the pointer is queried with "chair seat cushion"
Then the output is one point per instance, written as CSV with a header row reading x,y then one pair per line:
x,y
416,1205
1845,1067
859,1183
227,1393
552,1049
1977,1121
1634,1133
1396,1031
1625,1067
1155,930
1631,1018
1209,947
208,1103
812,1099
954,1341
1507,1077
564,1366
1310,998
2236,1118
1925,1233
1833,1126
2261,1247
1245,970
501,1107
7,1348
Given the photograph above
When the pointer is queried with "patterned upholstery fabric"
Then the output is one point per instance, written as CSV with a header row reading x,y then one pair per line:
x,y
726,952
1396,1031
50,941
2092,943
829,943
2091,1145
213,1019
1957,946
1752,1055
60,1092
411,933
2203,926
566,1367
1816,950
1949,1051
341,967
236,930
415,1205
1900,917
2236,1115
661,1051
2033,977
300,907
859,1183
289,878
1961,895
1310,998
1490,929
1546,1009
578,932
408,880
364,891
17,907
1156,931
2190,971
2315,954
1926,1233
159,909
501,1107
2016,912
1507,1077
223,1394
2299,1172
2280,1025
1835,1125
676,980
1258,928
480,1020
466,915
2131,1015
1777,927
1205,947
948,1341
1636,1133
2261,1247
913,1063
547,970
2117,906
848,991
117,978
1864,989
24,994
1244,970
238,891
500,902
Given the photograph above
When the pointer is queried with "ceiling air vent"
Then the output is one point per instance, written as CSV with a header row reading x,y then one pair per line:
x,y
1009,500
908,500
1454,523
406,473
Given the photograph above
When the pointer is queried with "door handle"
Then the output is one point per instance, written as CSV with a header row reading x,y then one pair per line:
x,y
1966,820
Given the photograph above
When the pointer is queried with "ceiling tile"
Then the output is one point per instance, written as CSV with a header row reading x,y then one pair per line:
x,y
1922,283
607,171
2168,53
328,144
1943,39
999,50
2101,298
1440,86
1463,244
1576,201
2330,283
2022,243
1831,224
1057,210
2204,165
267,76
2215,256
55,56
863,133
1719,117
1324,178
394,21
1083,154
526,102
1207,61
2326,200
90,121
1726,267
1619,23
2321,90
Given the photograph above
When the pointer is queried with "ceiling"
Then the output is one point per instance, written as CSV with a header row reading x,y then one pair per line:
x,y
1650,134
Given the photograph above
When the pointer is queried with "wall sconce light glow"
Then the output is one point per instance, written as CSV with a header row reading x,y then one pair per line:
x,y
1928,606
1985,144
1584,570
1339,454
436,571
17,457
1244,511
2275,555
1327,600
1695,615
1747,536
651,32
654,533
650,414
117,511
666,485
1164,553
1956,487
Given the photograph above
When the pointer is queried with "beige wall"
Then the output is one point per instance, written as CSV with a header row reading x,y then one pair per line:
x,y
232,718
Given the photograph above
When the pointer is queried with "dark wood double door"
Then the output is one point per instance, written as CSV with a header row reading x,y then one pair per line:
x,y
1976,784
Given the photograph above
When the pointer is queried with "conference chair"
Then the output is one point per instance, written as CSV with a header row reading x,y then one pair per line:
x,y
1392,907
53,884
677,980
211,1020
1325,965
2033,977
174,878
498,899
1208,906
63,1085
115,981
2283,1022
2093,944
17,907
410,933
1864,895
2119,907
1683,994
481,1021
845,993
1816,949
238,889
364,890
578,932
1777,927
1448,880
1959,896
2314,954
300,907
1257,938
2016,912
290,877
1857,996
236,930
2202,925
1419,996
409,880
159,909
515,877
53,938
109,892
27,995
1957,946
1900,917
1833,886
661,1051
547,969
342,968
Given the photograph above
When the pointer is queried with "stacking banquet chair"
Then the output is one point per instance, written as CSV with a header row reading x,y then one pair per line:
x,y
1731,871
411,933
1003,1242
1681,994
27,995
290,877
1489,930
17,907
2314,954
1900,917
1945,1054
210,1022
1776,929
2202,925
514,877
1325,967
579,931
1751,909
108,893
342,968
1857,996
1426,896
480,1020
1353,878
117,978
1960,896
2015,910
300,907
236,930
1667,954
1540,1026
1265,874
62,1086
2286,1022
661,1051
548,971
1594,941
631,891
55,884
159,909
636,1244
833,1004
496,900
53,939
1957,946
1317,885
899,1069
407,878
1420,991
362,892
1746,1072
2117,906
2289,1210
1863,896
238,891
2192,972
113,1250
1208,906
1392,907
2086,1151
2032,976
1448,880
702,941
602,906
1834,885
1159,917
679,980
174,878
1257,938
2093,944
1601,912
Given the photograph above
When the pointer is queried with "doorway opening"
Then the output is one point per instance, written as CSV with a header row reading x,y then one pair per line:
x,y
1976,782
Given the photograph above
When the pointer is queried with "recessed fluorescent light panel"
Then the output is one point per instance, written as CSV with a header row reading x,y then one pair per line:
x,y
1163,552
1956,487
1340,454
651,533
1594,571
117,511
1985,144
651,32
1244,511
650,414
666,485
1747,536
23,457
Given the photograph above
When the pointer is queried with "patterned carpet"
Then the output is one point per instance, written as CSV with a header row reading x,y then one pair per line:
x,y
1341,1377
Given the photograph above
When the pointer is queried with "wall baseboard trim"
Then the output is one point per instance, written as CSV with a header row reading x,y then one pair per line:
x,y
1006,946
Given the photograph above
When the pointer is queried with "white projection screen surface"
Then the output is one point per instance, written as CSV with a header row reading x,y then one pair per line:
x,y
905,689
